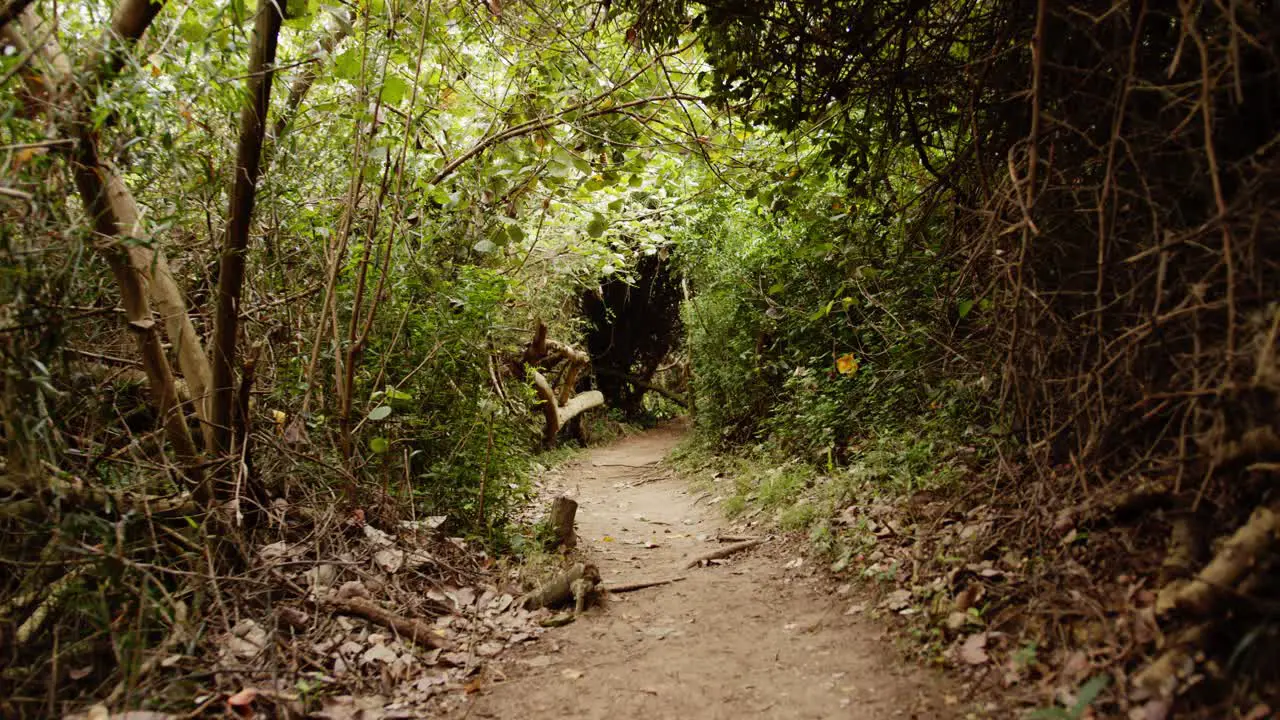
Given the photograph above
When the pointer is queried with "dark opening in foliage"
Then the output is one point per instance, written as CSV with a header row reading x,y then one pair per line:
x,y
632,325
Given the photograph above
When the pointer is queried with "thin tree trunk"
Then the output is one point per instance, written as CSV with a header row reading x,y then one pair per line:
x,y
138,272
115,217
298,91
253,125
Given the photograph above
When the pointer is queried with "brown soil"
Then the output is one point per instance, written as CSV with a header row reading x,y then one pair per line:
x,y
754,637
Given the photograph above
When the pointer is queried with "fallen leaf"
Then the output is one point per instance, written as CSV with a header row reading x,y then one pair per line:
x,y
462,598
274,551
432,522
293,617
376,536
489,648
974,649
80,673
389,559
897,600
353,589
570,674
242,702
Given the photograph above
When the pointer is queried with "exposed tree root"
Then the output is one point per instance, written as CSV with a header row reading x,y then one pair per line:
x,y
575,583
1237,558
1160,678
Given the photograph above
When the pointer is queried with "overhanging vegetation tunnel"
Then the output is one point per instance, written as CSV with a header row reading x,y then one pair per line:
x,y
979,297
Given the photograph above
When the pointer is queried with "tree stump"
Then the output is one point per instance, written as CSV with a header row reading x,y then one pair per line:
x,y
563,511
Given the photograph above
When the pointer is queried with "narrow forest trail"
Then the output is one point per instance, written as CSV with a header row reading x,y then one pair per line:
x,y
751,638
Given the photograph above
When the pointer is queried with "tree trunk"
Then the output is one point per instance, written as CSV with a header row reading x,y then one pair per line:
x,y
253,124
115,217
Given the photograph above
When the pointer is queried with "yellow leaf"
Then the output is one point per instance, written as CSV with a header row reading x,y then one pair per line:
x,y
607,538
847,364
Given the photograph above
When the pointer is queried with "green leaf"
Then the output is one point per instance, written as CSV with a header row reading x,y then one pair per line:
x,y
484,246
1084,698
516,233
380,413
192,31
597,226
347,64
823,311
393,90
1089,692
963,307
379,444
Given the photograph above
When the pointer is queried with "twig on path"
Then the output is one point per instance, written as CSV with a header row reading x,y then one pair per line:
x,y
724,552
735,538
641,585
630,465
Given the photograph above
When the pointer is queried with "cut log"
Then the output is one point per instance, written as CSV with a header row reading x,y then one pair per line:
x,y
560,520
560,589
724,552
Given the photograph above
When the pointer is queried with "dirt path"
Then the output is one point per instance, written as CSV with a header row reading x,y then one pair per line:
x,y
751,638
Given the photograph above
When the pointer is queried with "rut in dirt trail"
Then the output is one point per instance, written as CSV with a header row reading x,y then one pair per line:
x,y
750,638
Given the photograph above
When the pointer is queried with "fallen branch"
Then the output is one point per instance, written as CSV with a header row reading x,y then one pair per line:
x,y
735,538
723,552
556,415
409,628
57,592
632,587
